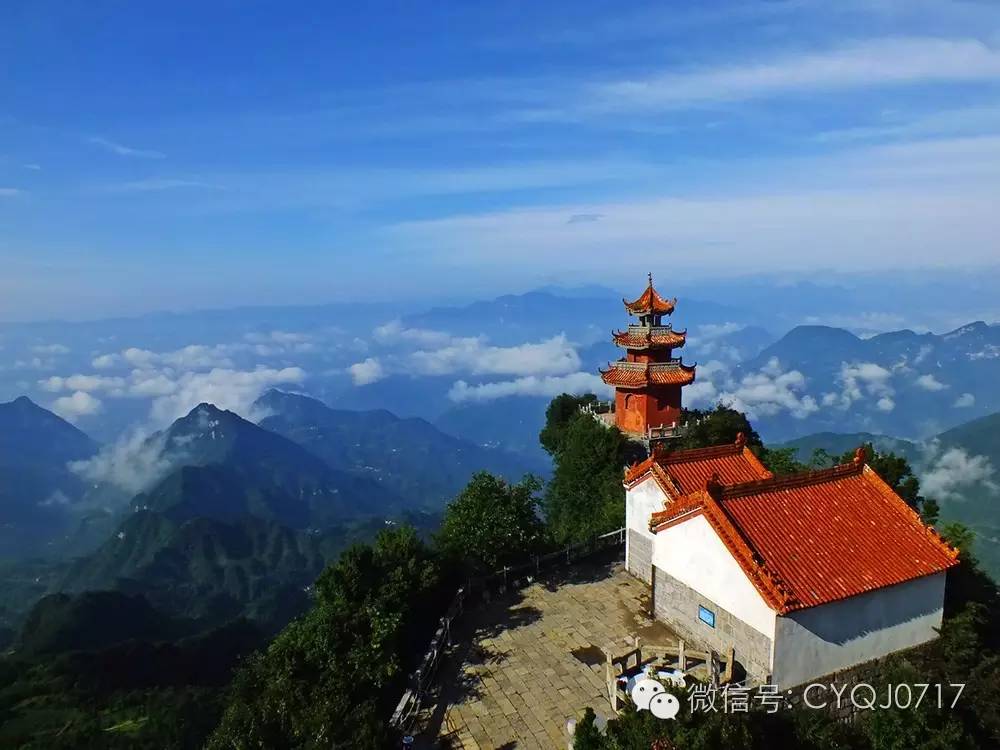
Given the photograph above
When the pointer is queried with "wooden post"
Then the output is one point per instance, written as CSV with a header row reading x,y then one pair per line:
x,y
612,680
730,659
681,659
713,666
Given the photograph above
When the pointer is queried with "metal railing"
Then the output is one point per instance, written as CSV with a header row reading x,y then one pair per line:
x,y
482,589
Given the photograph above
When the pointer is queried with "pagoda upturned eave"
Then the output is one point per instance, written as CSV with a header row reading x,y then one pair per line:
x,y
623,374
641,337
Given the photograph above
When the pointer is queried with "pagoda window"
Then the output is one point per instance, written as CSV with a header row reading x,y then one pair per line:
x,y
628,400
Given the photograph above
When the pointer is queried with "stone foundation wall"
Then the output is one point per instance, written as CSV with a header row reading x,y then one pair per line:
x,y
677,605
640,556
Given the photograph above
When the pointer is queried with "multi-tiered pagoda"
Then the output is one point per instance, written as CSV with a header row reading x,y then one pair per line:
x,y
648,380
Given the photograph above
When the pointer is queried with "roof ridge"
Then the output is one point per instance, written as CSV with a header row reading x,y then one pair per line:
x,y
691,454
790,481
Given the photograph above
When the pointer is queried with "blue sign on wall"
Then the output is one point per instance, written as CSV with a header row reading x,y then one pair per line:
x,y
707,616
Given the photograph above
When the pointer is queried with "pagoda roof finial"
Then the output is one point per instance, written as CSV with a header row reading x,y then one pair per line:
x,y
650,301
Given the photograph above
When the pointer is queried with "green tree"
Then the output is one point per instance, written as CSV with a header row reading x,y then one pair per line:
x,y
781,461
585,496
560,412
718,426
491,523
331,678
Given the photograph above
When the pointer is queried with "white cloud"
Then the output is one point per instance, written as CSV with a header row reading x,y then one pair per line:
x,y
50,349
885,404
79,404
555,356
394,332
235,390
844,203
873,62
140,357
964,401
79,382
860,379
272,343
104,361
121,150
57,499
132,464
151,383
924,353
703,392
368,371
770,391
930,383
439,353
532,385
710,340
197,356
953,471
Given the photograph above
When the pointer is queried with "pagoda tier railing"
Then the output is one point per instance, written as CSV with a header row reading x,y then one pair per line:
x,y
640,329
483,590
669,364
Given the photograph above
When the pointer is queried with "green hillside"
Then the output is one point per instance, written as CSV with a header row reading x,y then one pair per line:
x,y
410,457
206,568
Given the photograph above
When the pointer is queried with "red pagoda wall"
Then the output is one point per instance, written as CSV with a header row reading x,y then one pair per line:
x,y
637,410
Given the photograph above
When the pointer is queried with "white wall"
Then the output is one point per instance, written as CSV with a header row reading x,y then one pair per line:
x,y
814,642
692,553
641,501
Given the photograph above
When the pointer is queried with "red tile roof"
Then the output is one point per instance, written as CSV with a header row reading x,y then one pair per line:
x,y
650,301
649,338
812,538
682,472
692,469
640,374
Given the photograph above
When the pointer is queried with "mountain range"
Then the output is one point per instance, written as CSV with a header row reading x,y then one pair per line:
x,y
410,457
906,384
234,518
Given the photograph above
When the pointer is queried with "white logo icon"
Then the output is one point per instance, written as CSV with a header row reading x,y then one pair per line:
x,y
664,706
644,691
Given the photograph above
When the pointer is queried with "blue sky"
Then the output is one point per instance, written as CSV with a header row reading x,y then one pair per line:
x,y
182,155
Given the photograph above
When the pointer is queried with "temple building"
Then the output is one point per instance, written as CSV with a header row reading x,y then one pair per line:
x,y
648,379
801,575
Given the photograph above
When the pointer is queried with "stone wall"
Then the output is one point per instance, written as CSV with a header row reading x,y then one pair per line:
x,y
640,556
677,605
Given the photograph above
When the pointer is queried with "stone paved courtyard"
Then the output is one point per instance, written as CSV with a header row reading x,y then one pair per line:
x,y
524,665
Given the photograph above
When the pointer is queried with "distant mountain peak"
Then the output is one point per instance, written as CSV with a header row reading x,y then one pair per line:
x,y
978,326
